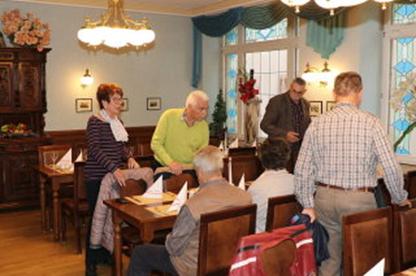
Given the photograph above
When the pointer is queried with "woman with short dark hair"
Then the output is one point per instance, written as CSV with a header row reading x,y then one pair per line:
x,y
274,181
107,152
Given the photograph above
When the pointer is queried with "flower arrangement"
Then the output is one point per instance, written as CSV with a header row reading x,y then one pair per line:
x,y
407,92
246,86
25,30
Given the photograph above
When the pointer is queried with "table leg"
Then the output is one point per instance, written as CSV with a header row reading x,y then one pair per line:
x,y
42,181
56,209
118,267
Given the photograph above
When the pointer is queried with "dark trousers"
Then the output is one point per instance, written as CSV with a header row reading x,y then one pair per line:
x,y
149,257
93,256
166,175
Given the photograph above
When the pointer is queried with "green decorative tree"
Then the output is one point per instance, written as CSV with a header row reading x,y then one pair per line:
x,y
219,116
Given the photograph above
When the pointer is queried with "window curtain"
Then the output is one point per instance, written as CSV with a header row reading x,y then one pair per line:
x,y
324,27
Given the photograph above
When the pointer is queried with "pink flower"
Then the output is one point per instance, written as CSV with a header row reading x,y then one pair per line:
x,y
25,30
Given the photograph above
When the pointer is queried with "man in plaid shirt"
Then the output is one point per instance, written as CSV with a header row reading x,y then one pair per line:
x,y
338,160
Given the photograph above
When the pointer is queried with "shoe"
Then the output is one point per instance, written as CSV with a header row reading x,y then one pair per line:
x,y
91,270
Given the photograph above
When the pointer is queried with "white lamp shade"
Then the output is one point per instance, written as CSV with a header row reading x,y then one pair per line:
x,y
135,38
147,35
295,3
84,34
351,3
384,1
329,4
116,37
87,80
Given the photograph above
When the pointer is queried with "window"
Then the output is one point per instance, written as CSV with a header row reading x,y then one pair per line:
x,y
270,52
401,44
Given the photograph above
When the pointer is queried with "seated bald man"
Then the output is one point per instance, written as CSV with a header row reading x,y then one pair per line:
x,y
180,133
179,255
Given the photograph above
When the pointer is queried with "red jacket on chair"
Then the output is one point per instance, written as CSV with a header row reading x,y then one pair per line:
x,y
247,261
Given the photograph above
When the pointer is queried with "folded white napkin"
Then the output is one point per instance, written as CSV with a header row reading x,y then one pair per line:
x,y
156,190
234,144
79,158
221,146
180,199
377,270
230,171
66,161
254,145
242,183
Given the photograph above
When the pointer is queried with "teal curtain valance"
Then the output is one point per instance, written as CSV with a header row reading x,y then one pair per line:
x,y
324,33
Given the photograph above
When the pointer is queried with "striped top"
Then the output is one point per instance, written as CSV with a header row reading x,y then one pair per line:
x,y
105,154
342,148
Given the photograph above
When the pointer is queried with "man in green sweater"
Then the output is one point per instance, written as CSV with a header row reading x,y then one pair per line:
x,y
180,133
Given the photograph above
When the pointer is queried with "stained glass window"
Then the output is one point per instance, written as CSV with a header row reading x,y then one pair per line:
x,y
275,32
270,72
404,13
231,37
403,65
231,61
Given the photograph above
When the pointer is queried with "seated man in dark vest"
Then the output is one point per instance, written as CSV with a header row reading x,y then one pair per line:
x,y
180,253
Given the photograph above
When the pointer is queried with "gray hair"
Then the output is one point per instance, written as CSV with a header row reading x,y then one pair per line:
x,y
194,96
209,159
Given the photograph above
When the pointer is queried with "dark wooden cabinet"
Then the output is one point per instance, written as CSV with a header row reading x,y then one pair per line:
x,y
22,100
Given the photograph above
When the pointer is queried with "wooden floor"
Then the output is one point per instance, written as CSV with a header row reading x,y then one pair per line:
x,y
25,250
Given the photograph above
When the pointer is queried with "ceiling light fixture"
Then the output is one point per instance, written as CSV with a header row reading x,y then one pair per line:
x,y
332,4
115,29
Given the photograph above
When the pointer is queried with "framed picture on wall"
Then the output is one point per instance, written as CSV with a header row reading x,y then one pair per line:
x,y
124,104
330,105
83,105
154,103
315,108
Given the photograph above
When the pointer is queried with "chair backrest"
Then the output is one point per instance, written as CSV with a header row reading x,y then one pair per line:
x,y
410,184
175,182
279,211
133,187
278,259
250,165
80,192
144,149
404,225
367,240
219,235
51,153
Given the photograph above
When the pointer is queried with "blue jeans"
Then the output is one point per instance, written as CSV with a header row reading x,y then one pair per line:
x,y
149,257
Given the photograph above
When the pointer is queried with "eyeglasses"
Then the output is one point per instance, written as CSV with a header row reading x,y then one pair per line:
x,y
116,99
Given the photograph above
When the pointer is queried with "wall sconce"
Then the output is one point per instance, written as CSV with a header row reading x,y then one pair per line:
x,y
323,77
86,79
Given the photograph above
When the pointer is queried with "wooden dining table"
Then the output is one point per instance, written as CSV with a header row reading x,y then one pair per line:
x,y
141,217
56,178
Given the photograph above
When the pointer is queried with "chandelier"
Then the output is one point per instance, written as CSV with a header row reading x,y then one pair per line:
x,y
115,29
331,4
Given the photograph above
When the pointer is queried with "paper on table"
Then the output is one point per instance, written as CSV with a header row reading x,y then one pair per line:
x,y
161,210
377,270
156,190
140,200
234,144
180,198
66,161
242,184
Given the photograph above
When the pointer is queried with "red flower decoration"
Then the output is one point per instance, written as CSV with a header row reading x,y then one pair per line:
x,y
246,88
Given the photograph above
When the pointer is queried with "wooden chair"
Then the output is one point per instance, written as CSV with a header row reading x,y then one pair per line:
x,y
248,164
410,184
367,238
175,183
279,211
49,155
76,207
404,225
219,236
277,260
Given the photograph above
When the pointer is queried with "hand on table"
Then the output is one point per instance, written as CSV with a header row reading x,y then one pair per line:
x,y
120,177
132,164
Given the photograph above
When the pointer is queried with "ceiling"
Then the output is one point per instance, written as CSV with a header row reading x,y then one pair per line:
x,y
177,7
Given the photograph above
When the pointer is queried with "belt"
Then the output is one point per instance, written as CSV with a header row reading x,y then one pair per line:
x,y
362,189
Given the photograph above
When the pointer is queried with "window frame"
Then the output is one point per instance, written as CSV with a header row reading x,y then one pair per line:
x,y
290,43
